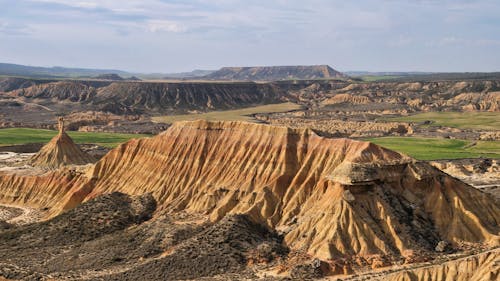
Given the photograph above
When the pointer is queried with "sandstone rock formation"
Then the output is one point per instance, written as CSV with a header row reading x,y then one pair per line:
x,y
418,96
338,128
140,97
481,267
346,98
477,101
62,90
329,197
13,83
35,103
60,151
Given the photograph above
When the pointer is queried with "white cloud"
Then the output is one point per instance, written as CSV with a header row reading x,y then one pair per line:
x,y
164,26
11,29
401,41
459,41
360,34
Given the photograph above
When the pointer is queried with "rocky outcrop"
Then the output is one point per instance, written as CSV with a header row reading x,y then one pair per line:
x,y
466,95
482,267
346,98
329,197
273,73
149,98
62,90
477,101
139,97
339,128
60,151
13,83
418,96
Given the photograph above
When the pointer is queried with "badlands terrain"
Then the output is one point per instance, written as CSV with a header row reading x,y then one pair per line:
x,y
285,187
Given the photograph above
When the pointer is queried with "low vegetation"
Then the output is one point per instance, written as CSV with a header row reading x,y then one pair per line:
x,y
462,120
374,78
244,114
14,136
434,149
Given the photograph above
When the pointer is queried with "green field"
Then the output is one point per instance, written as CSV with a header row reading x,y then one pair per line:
x,y
243,114
433,148
463,120
14,136
374,78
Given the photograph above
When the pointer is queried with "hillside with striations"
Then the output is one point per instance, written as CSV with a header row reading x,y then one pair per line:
x,y
329,197
146,97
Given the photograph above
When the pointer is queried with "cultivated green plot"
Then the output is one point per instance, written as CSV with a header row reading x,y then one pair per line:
x,y
243,114
464,120
374,78
433,148
14,136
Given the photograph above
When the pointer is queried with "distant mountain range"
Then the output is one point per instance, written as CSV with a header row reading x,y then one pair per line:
x,y
262,73
258,73
191,74
8,69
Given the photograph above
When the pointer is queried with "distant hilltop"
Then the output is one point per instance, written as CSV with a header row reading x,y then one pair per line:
x,y
109,76
273,73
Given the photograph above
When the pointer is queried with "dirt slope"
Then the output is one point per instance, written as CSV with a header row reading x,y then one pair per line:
x,y
113,237
329,197
481,267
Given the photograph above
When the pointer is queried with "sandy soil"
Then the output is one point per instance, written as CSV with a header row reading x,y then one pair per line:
x,y
19,215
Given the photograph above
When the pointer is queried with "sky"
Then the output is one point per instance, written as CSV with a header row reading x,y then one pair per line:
x,y
174,35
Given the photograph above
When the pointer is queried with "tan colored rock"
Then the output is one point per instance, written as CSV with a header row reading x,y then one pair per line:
x,y
60,151
334,197
482,267
346,98
353,129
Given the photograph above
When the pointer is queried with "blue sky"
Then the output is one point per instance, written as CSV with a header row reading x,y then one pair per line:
x,y
175,35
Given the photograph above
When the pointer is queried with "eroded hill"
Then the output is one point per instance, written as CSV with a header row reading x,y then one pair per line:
x,y
331,198
330,107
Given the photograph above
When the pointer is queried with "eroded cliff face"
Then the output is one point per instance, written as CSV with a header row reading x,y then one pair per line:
x,y
14,83
41,190
482,267
181,97
329,197
404,97
62,90
148,97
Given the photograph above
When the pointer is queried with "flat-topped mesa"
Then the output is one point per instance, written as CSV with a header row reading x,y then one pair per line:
x,y
274,73
329,197
60,151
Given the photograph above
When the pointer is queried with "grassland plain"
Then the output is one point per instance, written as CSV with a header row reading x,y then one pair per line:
x,y
12,136
243,114
463,120
435,148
